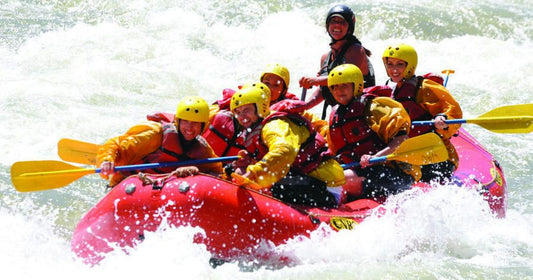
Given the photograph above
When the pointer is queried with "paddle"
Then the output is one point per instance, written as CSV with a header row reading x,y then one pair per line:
x,y
505,119
304,93
420,150
77,151
245,182
49,174
447,72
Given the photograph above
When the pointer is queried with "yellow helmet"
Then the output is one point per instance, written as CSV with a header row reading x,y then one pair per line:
x,y
252,95
260,86
404,52
278,70
194,109
347,73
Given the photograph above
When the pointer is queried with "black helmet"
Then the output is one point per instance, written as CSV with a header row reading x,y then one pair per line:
x,y
346,13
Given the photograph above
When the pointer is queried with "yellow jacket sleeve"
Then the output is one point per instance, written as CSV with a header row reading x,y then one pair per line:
x,y
330,172
283,139
139,141
436,99
320,125
387,118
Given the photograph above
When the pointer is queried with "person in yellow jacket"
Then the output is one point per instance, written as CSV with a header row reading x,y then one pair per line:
x,y
424,99
284,153
277,78
151,142
223,128
362,127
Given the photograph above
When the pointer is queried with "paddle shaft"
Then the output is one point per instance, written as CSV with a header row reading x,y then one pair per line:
x,y
84,171
447,72
477,120
171,163
432,122
304,93
372,160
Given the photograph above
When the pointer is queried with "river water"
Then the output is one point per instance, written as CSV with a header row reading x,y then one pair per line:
x,y
89,70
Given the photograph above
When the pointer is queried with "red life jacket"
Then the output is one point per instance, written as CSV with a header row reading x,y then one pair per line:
x,y
312,152
171,148
406,95
222,135
224,103
378,91
289,106
161,117
434,77
349,132
286,96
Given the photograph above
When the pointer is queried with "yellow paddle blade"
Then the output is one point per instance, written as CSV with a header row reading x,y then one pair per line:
x,y
421,150
245,182
29,176
77,151
507,119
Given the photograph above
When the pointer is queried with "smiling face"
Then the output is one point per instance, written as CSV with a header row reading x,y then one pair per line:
x,y
246,115
337,28
275,84
395,68
343,93
190,129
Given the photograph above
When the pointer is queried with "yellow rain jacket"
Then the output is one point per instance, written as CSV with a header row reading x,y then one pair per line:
x,y
284,138
141,140
320,125
436,99
387,118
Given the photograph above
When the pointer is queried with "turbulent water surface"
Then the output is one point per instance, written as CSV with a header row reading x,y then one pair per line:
x,y
88,70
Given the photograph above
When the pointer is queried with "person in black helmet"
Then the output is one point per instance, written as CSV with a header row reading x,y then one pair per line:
x,y
345,48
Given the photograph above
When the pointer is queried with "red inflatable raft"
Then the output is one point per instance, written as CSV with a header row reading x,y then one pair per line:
x,y
235,219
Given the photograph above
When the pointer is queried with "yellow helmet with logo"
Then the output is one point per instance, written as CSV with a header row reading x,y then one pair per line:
x,y
194,109
347,73
252,95
404,52
278,70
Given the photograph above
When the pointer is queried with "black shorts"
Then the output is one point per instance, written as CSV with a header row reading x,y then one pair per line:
x,y
304,190
383,180
438,172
